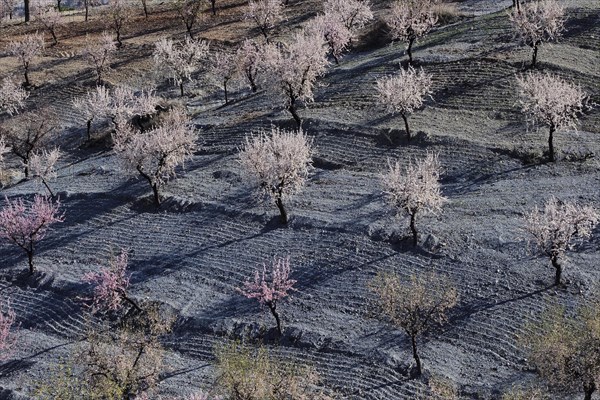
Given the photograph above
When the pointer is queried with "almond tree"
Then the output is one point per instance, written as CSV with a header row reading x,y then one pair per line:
x,y
88,107
552,101
156,154
110,285
404,93
119,13
537,22
409,20
26,50
51,19
249,59
336,34
354,14
99,52
279,162
223,69
25,225
558,227
415,190
181,59
42,166
292,69
7,321
266,14
4,149
12,97
30,136
269,288
415,305
9,7
189,12
564,348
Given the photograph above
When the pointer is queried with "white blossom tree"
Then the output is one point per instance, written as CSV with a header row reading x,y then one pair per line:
x,y
279,162
119,13
334,31
189,12
551,101
12,96
49,18
266,14
558,227
180,59
249,60
409,20
26,49
354,14
414,190
9,7
536,22
99,52
292,69
404,92
156,154
42,166
223,69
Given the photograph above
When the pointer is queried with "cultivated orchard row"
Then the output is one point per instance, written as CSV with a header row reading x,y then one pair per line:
x,y
153,140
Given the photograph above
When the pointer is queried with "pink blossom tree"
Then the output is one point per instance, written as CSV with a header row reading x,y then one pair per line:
x,y
408,20
26,50
249,60
336,34
270,287
549,100
180,59
156,154
537,22
110,285
404,93
557,227
354,14
292,69
42,166
25,225
7,321
12,96
49,18
414,190
279,163
99,52
223,69
266,14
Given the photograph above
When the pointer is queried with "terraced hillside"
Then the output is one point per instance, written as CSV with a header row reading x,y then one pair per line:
x,y
210,234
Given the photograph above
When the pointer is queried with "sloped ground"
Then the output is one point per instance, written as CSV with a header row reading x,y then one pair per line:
x,y
211,235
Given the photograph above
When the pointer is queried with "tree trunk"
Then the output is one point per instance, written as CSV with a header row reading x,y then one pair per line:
x,y
189,30
156,194
225,88
413,229
26,7
534,57
213,6
27,83
551,143
89,129
26,168
263,30
282,212
272,307
589,389
181,88
54,38
409,50
413,341
145,8
558,269
337,61
58,5
406,125
252,83
87,9
30,261
119,42
48,188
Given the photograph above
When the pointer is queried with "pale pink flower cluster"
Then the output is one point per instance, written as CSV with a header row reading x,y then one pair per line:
x,y
404,92
268,287
26,50
266,14
99,52
538,21
110,284
249,60
411,19
223,69
12,96
354,14
42,164
181,59
48,17
333,30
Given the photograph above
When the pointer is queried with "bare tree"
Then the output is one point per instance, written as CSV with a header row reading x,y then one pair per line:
x,y
42,166
223,69
266,14
415,189
189,12
564,348
408,20
552,101
404,93
269,288
336,34
29,136
279,162
119,13
12,97
557,227
180,59
537,22
292,69
99,52
25,225
50,19
156,154
26,50
415,305
354,14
